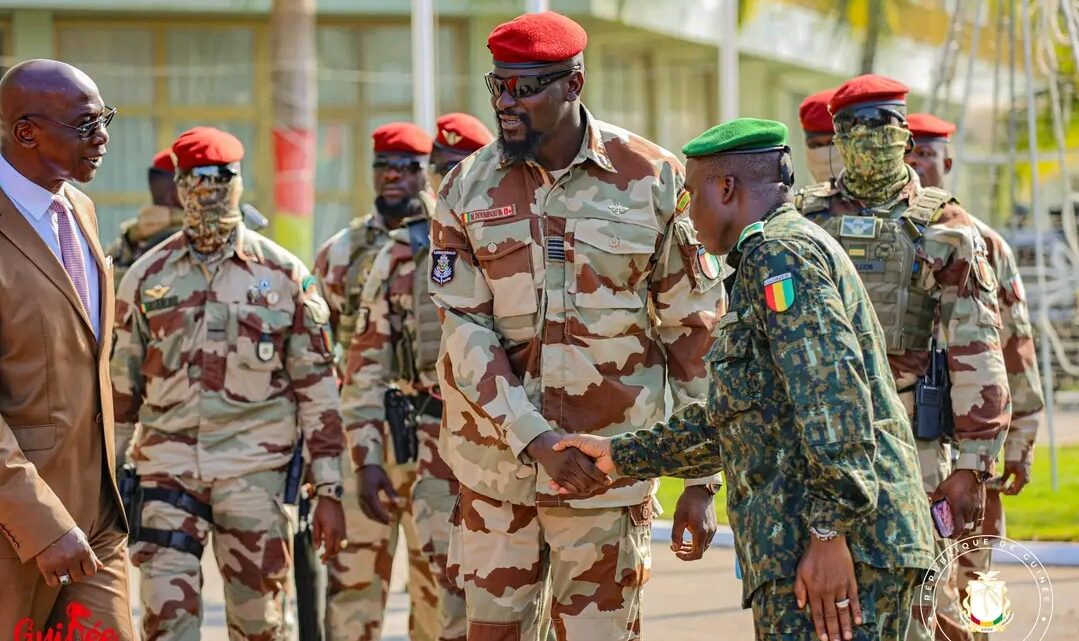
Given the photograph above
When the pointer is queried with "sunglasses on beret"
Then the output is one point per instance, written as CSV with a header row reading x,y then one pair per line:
x,y
869,116
86,130
524,86
400,164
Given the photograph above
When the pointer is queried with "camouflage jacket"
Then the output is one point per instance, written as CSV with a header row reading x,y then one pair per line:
x,y
568,304
388,332
224,364
341,264
1020,354
153,225
802,413
952,268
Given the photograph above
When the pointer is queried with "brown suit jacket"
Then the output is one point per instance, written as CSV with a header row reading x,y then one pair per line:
x,y
56,424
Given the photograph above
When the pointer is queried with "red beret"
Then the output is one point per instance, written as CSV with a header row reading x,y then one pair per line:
x,y
814,113
401,137
462,132
204,146
929,126
536,39
867,88
163,160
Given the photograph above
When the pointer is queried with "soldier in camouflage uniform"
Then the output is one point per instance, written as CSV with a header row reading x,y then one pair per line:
x,y
927,272
155,222
359,578
459,135
223,354
930,159
572,293
821,156
395,347
802,412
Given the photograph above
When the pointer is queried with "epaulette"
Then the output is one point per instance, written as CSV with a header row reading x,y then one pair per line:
x,y
927,206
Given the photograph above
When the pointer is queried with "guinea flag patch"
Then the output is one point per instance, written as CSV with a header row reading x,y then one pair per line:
x,y
709,264
683,202
779,292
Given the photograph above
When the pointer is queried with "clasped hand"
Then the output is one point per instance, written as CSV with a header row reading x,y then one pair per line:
x,y
576,463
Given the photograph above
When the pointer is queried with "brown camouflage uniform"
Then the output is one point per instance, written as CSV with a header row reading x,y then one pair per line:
x,y
568,304
359,576
224,364
153,225
396,344
952,269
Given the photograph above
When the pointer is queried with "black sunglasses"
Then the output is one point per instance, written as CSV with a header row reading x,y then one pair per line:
x,y
870,116
84,131
214,173
446,167
525,85
400,164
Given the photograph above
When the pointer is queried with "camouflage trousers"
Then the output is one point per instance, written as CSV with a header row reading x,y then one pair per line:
x,y
934,459
358,579
251,542
432,502
884,596
512,560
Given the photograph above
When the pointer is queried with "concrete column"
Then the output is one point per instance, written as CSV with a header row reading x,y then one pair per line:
x,y
32,35
536,6
423,64
727,32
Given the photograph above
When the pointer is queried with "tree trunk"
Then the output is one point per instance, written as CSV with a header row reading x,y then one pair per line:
x,y
873,30
295,104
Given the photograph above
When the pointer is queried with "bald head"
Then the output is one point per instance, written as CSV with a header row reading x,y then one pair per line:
x,y
43,105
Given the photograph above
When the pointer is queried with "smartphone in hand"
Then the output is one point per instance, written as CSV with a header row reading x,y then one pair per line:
x,y
942,518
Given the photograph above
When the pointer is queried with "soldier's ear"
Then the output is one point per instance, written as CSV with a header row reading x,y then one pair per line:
x,y
728,187
948,165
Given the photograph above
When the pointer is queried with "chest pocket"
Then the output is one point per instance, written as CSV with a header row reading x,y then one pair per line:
x,y
260,335
505,255
164,368
610,262
736,375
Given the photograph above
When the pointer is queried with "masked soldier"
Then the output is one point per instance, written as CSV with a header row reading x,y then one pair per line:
x,y
821,155
573,292
359,578
155,222
927,272
931,160
223,355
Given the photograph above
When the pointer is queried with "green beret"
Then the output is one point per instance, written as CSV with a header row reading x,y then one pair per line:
x,y
741,135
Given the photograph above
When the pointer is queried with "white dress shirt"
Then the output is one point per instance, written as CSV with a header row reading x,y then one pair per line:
x,y
35,202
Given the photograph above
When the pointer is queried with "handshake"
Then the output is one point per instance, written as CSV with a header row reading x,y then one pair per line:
x,y
576,463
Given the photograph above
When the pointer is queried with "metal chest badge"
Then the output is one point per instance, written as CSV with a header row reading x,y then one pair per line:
x,y
265,349
442,265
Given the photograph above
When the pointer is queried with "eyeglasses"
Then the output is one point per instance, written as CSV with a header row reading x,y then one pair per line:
x,y
400,164
870,117
84,131
524,86
213,173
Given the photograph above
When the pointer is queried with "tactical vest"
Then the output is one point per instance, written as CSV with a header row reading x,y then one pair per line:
x,y
883,249
363,242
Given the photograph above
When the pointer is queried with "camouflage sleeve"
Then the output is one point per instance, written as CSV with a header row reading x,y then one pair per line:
x,y
966,286
330,284
472,359
309,364
819,358
369,367
683,447
128,353
1017,340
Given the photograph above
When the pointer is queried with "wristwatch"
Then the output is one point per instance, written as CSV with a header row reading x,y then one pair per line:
x,y
822,533
330,490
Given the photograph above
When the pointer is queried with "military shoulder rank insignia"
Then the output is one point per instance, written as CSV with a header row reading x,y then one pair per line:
x,y
858,227
683,202
779,292
442,264
709,263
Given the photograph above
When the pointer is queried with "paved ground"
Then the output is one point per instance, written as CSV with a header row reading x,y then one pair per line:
x,y
691,601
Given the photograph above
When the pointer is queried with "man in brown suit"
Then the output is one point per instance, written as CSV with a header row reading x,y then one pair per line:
x,y
63,550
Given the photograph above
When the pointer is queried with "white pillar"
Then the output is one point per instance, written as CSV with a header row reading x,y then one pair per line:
x,y
423,64
536,6
727,32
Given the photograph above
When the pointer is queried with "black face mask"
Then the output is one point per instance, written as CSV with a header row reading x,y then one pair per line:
x,y
519,151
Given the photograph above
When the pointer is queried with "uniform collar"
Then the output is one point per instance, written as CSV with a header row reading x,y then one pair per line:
x,y
592,147
239,247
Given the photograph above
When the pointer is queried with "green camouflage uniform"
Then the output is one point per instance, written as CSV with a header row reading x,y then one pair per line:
x,y
153,225
224,364
803,416
396,344
359,577
951,274
568,304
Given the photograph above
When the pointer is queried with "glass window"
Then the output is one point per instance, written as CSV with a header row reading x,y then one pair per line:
x,y
335,167
338,78
453,83
210,66
120,60
386,54
623,89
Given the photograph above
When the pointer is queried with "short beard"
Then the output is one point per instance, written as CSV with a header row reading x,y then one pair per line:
x,y
518,152
399,210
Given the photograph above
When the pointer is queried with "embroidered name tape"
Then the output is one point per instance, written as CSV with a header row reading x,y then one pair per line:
x,y
489,214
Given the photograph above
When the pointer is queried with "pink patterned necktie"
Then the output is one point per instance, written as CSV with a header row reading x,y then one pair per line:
x,y
70,252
